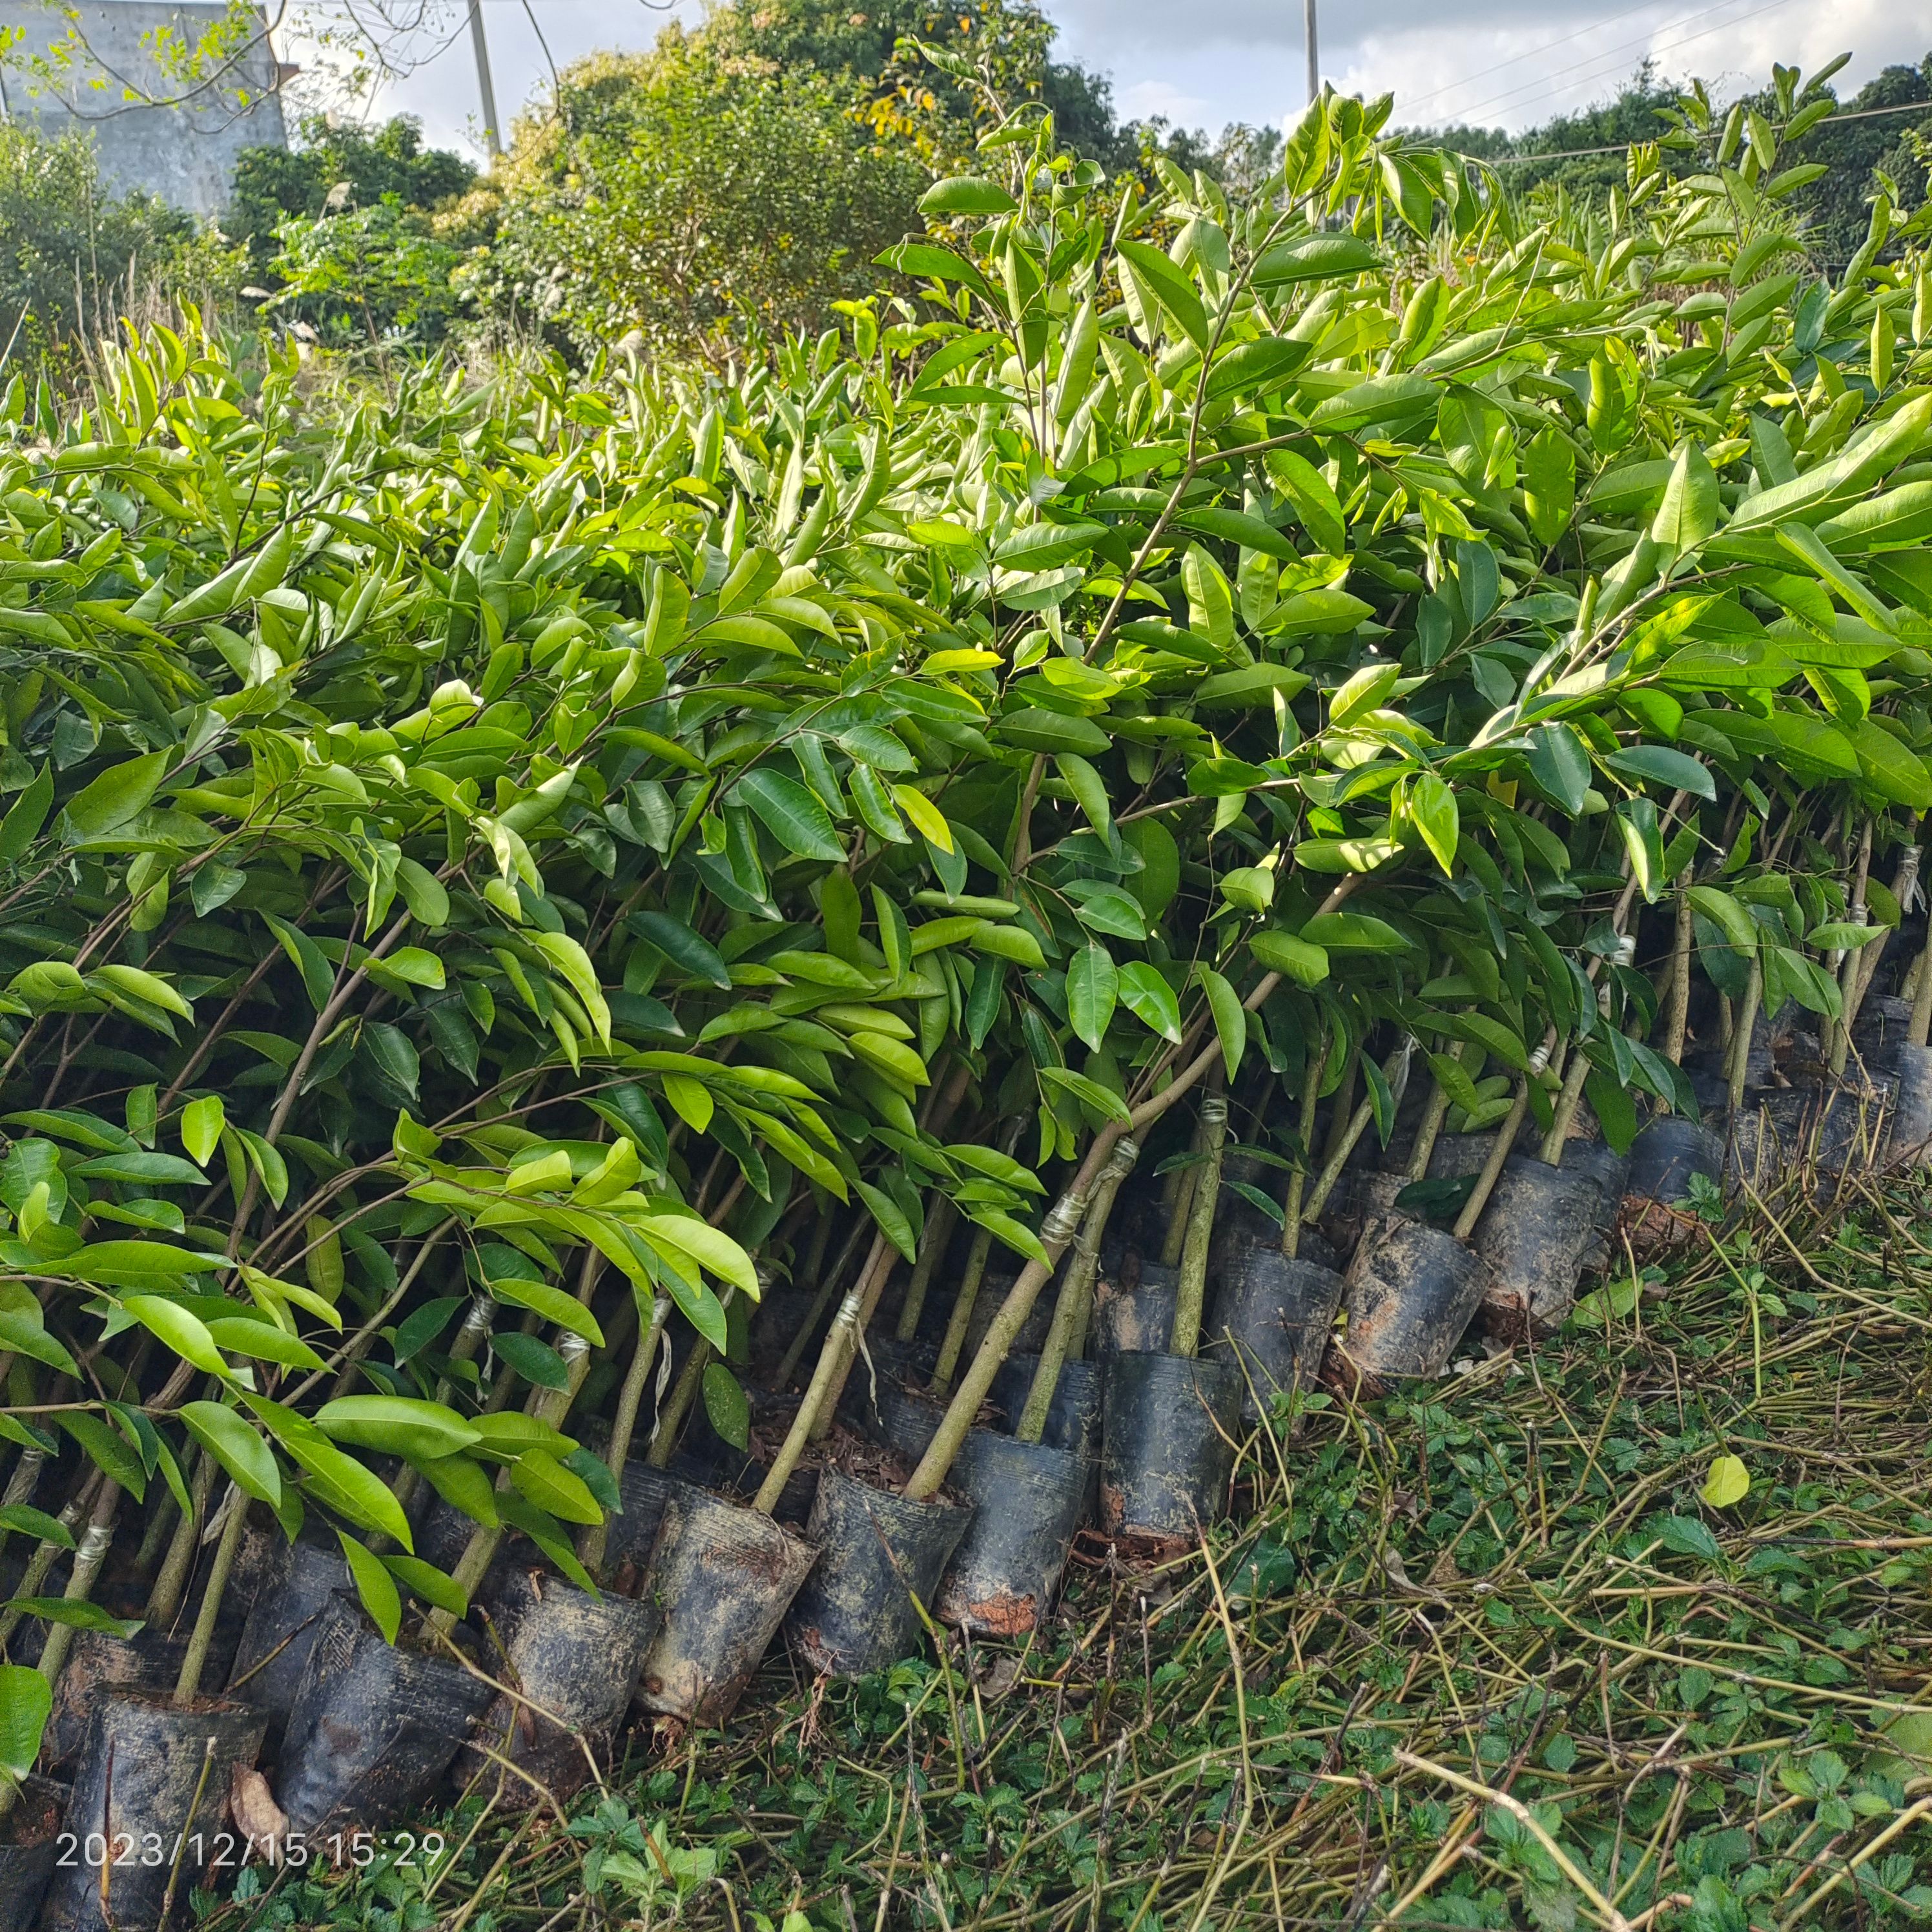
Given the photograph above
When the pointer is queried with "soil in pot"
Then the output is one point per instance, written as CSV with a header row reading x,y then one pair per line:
x,y
723,1576
29,1846
151,1778
1172,1422
1532,1235
1410,1293
577,1659
1272,1319
373,1726
905,1420
1028,1499
855,1613
299,1583
1133,1307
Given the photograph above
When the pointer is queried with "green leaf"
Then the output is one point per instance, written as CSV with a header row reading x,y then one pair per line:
x,y
1549,483
550,1302
792,815
891,1218
345,1485
698,958
117,796
1364,690
1149,999
76,1613
1298,961
26,1700
1170,289
434,1586
1727,1481
1088,788
24,1519
726,1406
557,1491
1658,764
1315,501
185,1333
1685,1535
26,816
1353,932
965,194
1088,1093
1093,987
374,1585
685,1235
1313,258
396,1425
237,1447
1689,511
1560,766
318,975
1432,805
201,1123
239,1335
536,1361
1230,1023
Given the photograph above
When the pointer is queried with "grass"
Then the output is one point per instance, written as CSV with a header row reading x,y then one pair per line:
x,y
1482,1658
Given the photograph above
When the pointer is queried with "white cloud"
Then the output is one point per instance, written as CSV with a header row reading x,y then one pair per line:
x,y
1513,62
1146,100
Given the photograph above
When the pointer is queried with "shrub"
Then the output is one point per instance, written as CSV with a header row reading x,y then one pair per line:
x,y
357,167
368,274
682,194
75,256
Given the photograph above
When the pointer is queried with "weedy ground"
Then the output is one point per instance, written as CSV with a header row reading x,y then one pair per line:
x,y
1484,1656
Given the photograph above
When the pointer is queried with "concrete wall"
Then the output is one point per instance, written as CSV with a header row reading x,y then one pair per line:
x,y
184,153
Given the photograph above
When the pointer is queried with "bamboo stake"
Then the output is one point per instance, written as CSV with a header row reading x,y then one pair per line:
x,y
1175,1238
1075,1304
1744,1025
1190,1297
1304,1127
934,1238
1395,1072
1428,1130
844,1323
187,1685
1511,1125
961,1317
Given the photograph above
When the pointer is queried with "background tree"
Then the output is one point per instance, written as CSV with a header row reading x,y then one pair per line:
x,y
332,166
689,190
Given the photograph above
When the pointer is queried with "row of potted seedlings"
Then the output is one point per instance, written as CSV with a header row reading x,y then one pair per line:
x,y
278,1714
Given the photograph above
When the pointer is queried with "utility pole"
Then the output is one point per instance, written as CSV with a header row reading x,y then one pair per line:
x,y
1308,34
492,138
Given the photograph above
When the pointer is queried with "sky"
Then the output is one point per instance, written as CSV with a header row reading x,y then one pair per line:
x,y
1490,63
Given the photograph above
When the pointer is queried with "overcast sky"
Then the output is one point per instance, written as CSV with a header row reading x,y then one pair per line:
x,y
1495,63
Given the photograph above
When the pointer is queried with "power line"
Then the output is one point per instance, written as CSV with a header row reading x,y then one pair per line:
x,y
1599,66
1924,107
1533,53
